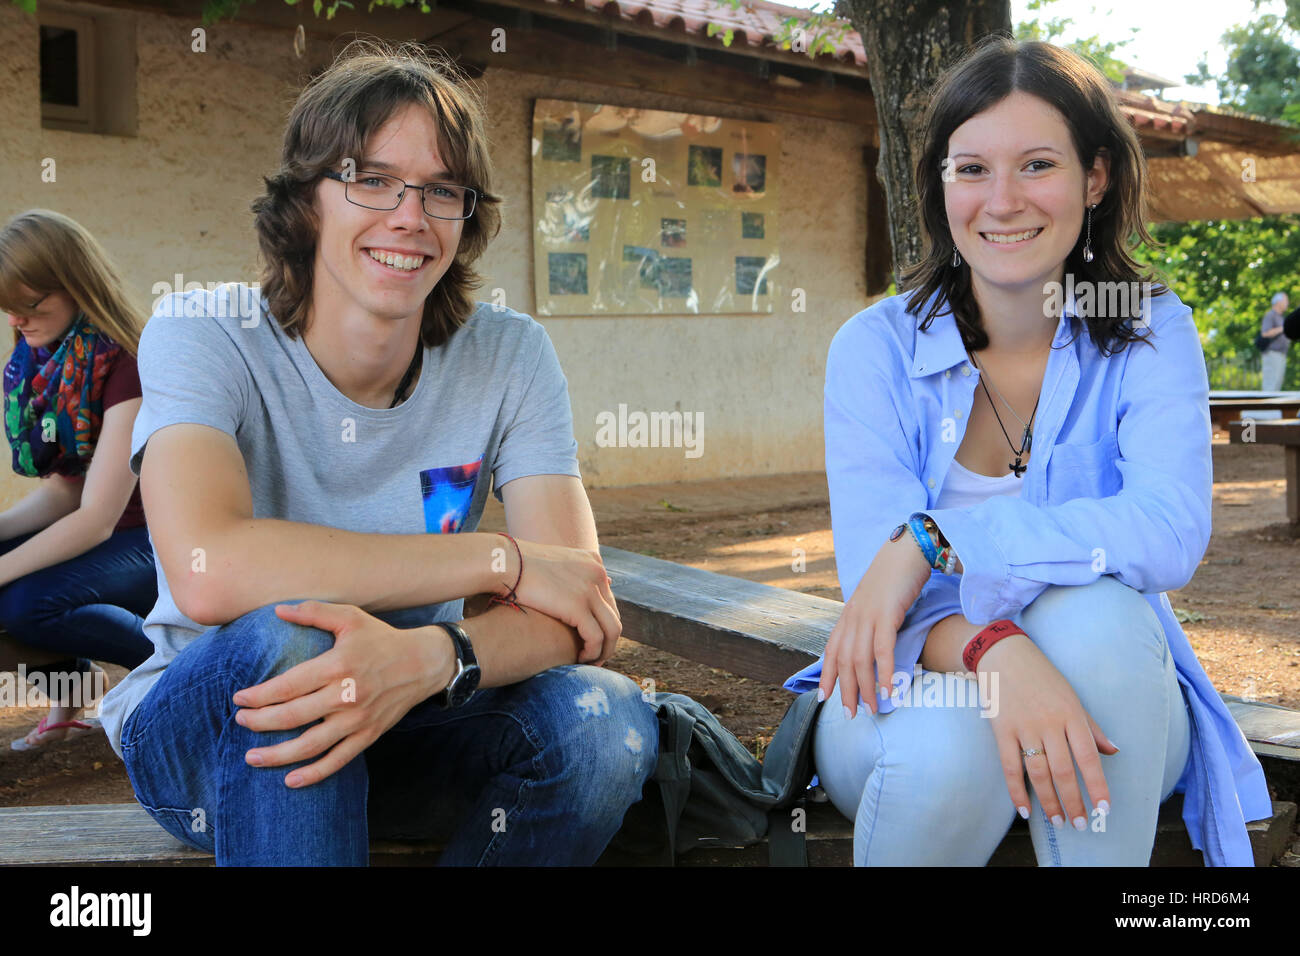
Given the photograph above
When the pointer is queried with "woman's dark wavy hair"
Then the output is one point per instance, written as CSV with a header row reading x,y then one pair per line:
x,y
992,70
332,119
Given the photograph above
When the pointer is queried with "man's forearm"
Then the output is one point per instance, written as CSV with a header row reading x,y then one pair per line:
x,y
512,646
260,561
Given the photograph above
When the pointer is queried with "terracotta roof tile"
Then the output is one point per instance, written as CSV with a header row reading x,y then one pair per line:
x,y
755,22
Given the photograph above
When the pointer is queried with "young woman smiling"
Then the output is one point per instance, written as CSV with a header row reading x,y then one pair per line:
x,y
1014,485
76,568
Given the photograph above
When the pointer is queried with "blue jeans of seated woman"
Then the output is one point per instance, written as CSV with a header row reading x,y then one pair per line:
x,y
91,607
924,784
538,772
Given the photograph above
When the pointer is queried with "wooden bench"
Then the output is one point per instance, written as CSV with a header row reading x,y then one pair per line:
x,y
750,629
1286,433
1226,407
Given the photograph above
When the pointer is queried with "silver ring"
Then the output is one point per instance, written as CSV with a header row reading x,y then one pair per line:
x,y
1031,753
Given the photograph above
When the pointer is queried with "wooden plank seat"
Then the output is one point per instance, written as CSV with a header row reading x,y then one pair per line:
x,y
752,630
123,834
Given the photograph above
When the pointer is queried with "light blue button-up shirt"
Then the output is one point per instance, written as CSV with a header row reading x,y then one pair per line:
x,y
1119,478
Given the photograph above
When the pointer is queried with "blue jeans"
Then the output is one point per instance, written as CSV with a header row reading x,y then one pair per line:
x,y
924,783
538,772
91,607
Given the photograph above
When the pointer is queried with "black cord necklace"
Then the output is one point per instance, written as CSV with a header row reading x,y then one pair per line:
x,y
1026,438
410,373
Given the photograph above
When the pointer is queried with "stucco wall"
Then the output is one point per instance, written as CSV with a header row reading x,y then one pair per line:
x,y
174,199
755,379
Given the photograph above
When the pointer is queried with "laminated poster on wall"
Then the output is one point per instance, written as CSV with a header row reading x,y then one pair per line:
x,y
644,212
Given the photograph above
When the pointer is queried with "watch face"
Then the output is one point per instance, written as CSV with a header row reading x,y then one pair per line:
x,y
464,687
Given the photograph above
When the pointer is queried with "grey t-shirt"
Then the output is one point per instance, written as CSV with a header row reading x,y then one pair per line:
x,y
491,401
1272,320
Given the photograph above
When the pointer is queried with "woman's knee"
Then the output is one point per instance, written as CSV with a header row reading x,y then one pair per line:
x,y
1101,631
24,606
933,753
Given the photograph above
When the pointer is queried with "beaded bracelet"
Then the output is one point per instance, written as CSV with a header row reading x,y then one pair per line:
x,y
939,553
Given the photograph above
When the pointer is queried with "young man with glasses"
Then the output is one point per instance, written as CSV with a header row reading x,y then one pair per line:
x,y
309,457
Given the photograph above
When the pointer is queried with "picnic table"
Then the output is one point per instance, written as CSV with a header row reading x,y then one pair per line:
x,y
1227,406
1284,432
750,629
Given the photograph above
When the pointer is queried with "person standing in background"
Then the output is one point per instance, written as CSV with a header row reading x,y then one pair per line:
x,y
1273,359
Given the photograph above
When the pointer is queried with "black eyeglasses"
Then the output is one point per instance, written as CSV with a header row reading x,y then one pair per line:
x,y
31,309
378,191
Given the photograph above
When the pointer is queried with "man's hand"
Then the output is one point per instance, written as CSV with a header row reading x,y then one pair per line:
x,y
563,577
570,585
359,688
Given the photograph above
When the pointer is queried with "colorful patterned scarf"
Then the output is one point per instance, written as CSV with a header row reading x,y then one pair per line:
x,y
54,401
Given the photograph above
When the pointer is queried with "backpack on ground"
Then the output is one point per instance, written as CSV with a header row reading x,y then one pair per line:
x,y
709,791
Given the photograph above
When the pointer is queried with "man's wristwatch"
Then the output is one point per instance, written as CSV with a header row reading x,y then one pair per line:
x,y
464,682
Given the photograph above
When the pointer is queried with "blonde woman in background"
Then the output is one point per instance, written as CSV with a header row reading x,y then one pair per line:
x,y
76,566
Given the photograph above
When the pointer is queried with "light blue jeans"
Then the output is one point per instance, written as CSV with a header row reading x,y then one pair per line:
x,y
1272,366
924,783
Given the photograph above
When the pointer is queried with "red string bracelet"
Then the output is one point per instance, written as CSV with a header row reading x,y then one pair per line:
x,y
511,599
978,645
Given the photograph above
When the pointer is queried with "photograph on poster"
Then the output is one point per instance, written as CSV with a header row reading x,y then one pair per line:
x,y
568,273
705,166
628,186
750,275
672,232
750,173
610,177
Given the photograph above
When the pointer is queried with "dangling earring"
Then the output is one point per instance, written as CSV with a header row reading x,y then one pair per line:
x,y
956,257
1087,242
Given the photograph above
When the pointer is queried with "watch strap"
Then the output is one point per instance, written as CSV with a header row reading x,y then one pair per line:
x,y
464,655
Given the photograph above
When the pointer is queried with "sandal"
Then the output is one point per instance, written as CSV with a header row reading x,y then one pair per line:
x,y
75,728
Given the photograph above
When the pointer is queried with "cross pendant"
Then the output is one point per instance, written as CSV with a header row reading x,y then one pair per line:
x,y
1018,468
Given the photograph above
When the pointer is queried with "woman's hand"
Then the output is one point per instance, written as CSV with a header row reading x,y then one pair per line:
x,y
570,585
1038,710
860,652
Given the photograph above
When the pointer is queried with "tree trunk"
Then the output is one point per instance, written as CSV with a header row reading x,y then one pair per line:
x,y
908,45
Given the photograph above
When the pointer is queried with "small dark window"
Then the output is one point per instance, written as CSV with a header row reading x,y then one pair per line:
x,y
59,66
88,66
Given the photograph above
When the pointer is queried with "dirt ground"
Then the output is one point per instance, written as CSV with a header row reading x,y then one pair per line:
x,y
1243,606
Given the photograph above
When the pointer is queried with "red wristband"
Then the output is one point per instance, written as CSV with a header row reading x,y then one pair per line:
x,y
978,645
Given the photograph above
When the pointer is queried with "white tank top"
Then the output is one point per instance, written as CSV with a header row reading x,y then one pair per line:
x,y
963,487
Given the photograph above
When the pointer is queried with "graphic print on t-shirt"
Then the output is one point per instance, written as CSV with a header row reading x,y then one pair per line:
x,y
447,494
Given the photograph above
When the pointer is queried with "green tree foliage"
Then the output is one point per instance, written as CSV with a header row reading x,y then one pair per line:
x,y
1227,271
1100,52
1263,69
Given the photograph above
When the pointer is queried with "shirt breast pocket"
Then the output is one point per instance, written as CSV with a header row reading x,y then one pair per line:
x,y
1088,470
448,493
